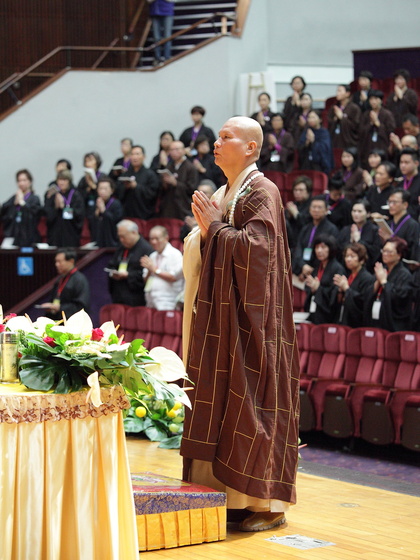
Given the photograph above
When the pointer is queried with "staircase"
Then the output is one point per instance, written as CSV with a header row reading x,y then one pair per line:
x,y
189,12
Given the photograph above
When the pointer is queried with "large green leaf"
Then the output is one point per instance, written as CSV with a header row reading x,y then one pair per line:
x,y
173,442
133,424
155,434
36,374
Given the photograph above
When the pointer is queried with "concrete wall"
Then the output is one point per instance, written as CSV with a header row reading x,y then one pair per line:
x,y
86,111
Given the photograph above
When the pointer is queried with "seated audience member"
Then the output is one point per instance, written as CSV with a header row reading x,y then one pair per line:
x,y
292,105
360,97
65,213
121,164
190,135
299,121
108,213
362,231
178,184
303,257
411,127
397,145
354,286
87,185
409,167
339,208
388,304
204,162
321,298
162,15
401,223
70,293
126,283
277,152
208,188
314,146
264,115
375,126
161,159
351,174
378,194
403,100
162,271
138,187
20,214
344,119
375,158
297,211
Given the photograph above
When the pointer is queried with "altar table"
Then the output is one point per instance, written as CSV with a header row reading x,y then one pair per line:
x,y
65,489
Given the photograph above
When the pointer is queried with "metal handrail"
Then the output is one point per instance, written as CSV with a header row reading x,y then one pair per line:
x,y
16,77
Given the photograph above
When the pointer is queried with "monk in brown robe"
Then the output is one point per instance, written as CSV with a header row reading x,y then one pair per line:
x,y
239,339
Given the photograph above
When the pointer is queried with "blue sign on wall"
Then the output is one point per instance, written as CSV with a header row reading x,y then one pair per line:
x,y
25,266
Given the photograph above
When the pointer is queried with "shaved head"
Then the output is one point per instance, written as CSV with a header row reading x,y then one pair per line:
x,y
249,130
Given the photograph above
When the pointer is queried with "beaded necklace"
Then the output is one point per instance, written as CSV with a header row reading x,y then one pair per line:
x,y
241,189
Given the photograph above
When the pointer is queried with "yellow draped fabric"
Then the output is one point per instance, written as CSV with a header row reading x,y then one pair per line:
x,y
179,528
65,488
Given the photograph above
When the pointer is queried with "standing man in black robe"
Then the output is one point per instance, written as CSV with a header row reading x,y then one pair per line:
x,y
70,293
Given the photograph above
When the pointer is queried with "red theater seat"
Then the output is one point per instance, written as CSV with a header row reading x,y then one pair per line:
x,y
166,330
327,346
138,324
363,368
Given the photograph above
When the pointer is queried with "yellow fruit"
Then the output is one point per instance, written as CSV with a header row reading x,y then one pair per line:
x,y
171,413
177,405
141,411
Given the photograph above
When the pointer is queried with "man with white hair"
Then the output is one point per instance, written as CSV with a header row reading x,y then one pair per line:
x,y
126,283
239,340
162,271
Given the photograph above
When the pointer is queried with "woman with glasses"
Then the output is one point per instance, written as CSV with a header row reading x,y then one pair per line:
x,y
388,305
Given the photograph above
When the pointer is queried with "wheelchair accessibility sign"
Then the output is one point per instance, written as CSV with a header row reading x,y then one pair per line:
x,y
25,266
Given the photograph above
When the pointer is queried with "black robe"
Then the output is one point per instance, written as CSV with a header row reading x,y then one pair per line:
x,y
371,137
139,202
351,312
410,232
74,297
63,232
396,302
325,226
378,199
130,290
187,135
339,213
175,201
327,308
345,132
22,224
105,225
369,238
274,159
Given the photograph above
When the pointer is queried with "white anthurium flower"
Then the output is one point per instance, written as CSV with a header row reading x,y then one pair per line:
x,y
94,393
20,323
79,324
108,329
41,324
182,398
168,366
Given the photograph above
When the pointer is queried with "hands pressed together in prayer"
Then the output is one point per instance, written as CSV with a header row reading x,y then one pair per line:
x,y
205,211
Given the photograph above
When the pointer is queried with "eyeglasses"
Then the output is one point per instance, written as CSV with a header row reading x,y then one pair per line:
x,y
387,252
394,201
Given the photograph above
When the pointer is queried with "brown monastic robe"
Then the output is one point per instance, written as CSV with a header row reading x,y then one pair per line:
x,y
243,356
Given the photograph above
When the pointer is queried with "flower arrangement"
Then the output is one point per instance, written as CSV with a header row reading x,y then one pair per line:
x,y
67,355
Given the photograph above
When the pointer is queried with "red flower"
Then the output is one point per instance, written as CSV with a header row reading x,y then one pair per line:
x,y
2,328
97,334
50,341
10,316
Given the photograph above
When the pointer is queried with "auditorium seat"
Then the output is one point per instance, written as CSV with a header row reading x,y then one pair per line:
x,y
299,297
410,433
280,179
114,312
382,415
337,153
166,330
302,336
327,346
363,369
138,324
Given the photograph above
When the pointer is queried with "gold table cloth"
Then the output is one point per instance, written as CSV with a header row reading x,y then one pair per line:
x,y
65,488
